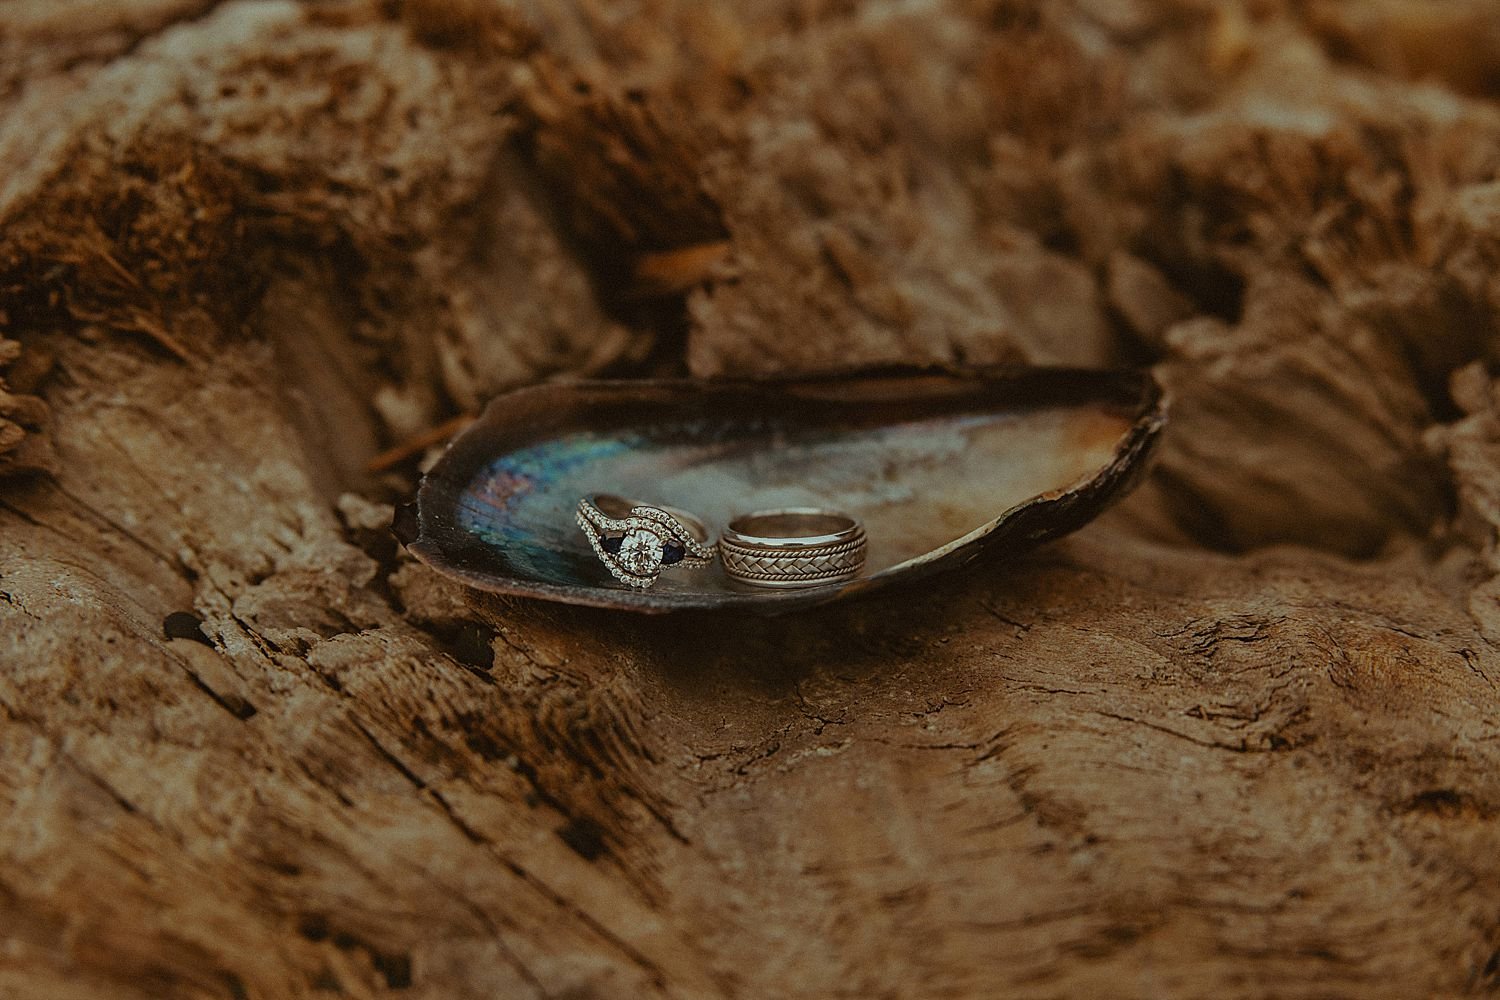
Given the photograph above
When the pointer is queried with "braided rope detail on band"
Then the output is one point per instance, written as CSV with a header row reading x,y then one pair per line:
x,y
804,565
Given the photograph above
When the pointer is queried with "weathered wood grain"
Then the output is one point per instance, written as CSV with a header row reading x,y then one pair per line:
x,y
1239,738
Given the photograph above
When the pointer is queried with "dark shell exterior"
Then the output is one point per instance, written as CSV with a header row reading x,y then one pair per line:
x,y
943,467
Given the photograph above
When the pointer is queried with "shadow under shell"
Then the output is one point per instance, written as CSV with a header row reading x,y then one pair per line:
x,y
940,467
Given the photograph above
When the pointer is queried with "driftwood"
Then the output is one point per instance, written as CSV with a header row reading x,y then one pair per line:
x,y
1240,738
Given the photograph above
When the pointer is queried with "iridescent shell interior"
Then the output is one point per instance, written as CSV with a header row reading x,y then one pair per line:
x,y
935,465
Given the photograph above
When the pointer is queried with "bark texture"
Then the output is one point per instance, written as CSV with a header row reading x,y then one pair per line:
x,y
1240,738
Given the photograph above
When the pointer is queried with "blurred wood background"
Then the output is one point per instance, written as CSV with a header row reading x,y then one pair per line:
x,y
1240,738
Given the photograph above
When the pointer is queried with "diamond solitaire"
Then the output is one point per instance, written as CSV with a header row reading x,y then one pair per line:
x,y
641,552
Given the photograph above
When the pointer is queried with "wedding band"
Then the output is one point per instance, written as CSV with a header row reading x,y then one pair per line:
x,y
793,547
637,540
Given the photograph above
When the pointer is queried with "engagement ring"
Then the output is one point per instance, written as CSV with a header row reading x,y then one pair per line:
x,y
636,540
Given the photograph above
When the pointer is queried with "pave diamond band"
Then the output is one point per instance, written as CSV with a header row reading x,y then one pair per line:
x,y
636,540
793,547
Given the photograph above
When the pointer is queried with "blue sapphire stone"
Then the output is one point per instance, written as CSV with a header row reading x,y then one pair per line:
x,y
672,553
611,544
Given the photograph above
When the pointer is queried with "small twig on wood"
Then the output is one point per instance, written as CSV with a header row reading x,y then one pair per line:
x,y
418,443
672,272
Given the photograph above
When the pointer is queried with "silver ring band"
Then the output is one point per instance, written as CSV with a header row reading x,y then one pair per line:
x,y
637,540
793,547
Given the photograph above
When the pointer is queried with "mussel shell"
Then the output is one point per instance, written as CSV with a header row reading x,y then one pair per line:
x,y
942,467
